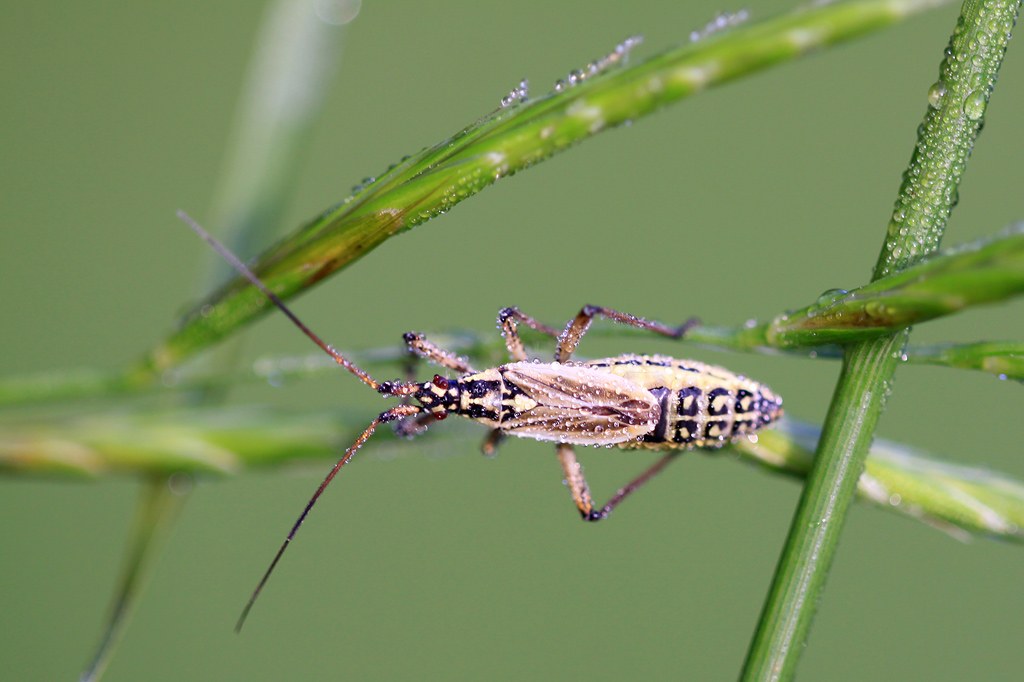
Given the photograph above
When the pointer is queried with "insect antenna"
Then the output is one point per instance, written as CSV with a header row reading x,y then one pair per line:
x,y
391,415
248,274
387,388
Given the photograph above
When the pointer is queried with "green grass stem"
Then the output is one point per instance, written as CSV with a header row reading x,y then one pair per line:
x,y
956,107
215,441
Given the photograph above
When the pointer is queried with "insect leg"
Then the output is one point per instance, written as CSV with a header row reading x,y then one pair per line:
x,y
397,412
416,424
575,480
419,345
574,331
633,486
507,319
581,491
489,448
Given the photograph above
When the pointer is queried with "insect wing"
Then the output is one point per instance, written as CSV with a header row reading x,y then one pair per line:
x,y
576,404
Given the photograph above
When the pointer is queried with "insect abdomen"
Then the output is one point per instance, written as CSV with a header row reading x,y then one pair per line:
x,y
701,405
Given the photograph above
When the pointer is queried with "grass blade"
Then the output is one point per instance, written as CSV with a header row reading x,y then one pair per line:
x,y
159,503
223,441
435,180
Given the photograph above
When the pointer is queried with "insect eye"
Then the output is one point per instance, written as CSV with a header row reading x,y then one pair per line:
x,y
440,415
440,381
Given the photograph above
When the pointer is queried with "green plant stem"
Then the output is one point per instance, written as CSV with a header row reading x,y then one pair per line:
x,y
814,534
217,441
926,198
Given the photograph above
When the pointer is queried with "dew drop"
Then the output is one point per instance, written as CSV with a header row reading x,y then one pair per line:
x,y
518,94
936,93
831,296
974,105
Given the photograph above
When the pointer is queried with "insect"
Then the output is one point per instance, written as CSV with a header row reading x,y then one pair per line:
x,y
650,402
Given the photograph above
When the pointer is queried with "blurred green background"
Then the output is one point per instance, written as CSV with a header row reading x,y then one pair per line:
x,y
425,561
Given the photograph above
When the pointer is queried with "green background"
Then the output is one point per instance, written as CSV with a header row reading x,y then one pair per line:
x,y
427,561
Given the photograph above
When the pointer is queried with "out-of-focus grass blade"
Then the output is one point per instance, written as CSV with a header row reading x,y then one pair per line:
x,y
295,55
1003,359
959,500
159,503
434,180
227,440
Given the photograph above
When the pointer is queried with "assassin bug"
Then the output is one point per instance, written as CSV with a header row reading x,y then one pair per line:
x,y
648,402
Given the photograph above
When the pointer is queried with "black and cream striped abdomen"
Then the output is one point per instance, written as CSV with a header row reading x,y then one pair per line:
x,y
701,405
